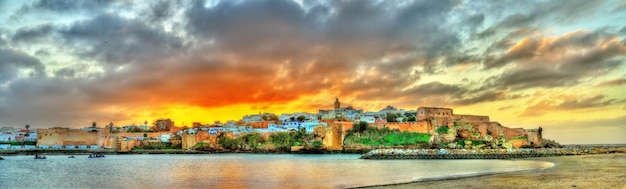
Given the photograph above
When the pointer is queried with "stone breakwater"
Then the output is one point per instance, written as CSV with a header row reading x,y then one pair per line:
x,y
472,154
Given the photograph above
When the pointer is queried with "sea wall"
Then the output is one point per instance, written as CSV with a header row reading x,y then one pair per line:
x,y
382,154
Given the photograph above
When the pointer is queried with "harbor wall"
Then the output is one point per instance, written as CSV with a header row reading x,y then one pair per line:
x,y
382,154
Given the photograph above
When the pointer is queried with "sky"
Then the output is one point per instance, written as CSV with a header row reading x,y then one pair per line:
x,y
555,64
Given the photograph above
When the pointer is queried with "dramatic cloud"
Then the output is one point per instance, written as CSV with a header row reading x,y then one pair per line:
x,y
68,63
13,63
560,61
570,103
615,82
32,34
116,40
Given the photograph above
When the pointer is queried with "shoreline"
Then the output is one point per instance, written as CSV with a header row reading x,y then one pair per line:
x,y
585,171
458,177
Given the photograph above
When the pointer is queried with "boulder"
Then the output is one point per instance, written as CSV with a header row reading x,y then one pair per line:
x,y
507,145
452,145
479,146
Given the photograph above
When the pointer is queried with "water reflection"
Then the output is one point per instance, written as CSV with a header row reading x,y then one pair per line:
x,y
235,171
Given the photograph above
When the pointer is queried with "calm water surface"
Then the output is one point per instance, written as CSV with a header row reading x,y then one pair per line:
x,y
235,171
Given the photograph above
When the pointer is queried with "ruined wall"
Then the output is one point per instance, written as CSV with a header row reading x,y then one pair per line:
x,y
188,140
66,136
347,125
419,127
427,112
332,136
125,134
125,146
471,118
535,136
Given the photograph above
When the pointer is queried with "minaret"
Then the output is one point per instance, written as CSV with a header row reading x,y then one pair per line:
x,y
337,105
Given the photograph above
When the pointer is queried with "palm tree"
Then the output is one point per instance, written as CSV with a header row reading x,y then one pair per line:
x,y
27,133
111,127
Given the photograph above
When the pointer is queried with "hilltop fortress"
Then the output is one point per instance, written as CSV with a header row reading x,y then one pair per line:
x,y
460,127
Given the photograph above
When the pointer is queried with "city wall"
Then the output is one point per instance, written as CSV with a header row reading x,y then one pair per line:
x,y
331,136
419,127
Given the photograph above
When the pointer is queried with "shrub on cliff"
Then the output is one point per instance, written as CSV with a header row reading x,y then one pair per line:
x,y
375,137
442,129
281,140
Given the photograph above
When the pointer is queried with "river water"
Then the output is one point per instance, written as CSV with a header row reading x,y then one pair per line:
x,y
236,171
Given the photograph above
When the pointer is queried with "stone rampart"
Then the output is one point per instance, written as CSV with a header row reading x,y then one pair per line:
x,y
419,127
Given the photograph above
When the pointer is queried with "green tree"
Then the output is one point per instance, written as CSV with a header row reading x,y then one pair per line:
x,y
253,140
391,117
281,140
359,127
301,118
136,129
225,142
442,129
412,118
300,137
111,127
27,132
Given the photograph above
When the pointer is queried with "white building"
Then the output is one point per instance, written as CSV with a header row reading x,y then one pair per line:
x,y
368,118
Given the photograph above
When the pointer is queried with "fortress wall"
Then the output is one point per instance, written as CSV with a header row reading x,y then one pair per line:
x,y
472,118
188,140
66,136
332,136
126,146
535,136
426,112
515,132
347,125
135,134
419,127
202,135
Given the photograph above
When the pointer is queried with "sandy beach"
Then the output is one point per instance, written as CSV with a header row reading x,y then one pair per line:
x,y
587,171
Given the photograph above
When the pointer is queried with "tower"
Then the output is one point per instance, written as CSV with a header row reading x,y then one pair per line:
x,y
337,109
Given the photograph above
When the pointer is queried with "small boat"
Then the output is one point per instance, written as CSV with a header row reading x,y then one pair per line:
x,y
70,157
96,156
40,157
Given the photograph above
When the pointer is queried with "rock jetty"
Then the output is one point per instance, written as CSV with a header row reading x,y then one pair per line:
x,y
381,154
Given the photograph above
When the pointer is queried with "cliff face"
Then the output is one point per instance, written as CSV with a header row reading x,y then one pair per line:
x,y
467,128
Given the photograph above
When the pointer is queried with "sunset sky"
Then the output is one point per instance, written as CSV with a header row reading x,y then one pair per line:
x,y
555,64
